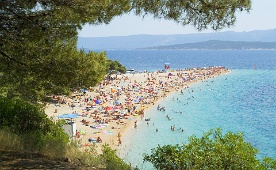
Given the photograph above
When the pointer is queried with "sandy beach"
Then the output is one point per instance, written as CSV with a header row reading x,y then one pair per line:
x,y
104,112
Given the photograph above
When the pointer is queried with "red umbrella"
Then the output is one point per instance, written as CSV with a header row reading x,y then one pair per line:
x,y
108,108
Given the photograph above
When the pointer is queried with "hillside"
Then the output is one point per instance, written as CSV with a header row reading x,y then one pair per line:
x,y
24,160
145,41
219,45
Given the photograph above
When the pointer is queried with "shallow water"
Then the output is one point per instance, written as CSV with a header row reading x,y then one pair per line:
x,y
243,100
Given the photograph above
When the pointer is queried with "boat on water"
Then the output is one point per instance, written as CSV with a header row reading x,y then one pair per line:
x,y
130,70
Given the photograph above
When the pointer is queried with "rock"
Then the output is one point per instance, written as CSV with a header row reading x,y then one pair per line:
x,y
67,160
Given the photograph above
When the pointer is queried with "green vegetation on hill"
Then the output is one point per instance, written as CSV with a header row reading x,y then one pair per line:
x,y
30,124
25,128
147,41
220,45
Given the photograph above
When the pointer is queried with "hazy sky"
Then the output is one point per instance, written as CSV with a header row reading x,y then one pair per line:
x,y
261,17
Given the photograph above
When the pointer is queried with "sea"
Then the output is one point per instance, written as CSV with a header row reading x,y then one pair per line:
x,y
244,100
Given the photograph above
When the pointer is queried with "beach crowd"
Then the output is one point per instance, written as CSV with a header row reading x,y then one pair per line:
x,y
119,102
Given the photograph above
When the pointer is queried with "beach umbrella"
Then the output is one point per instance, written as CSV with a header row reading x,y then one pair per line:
x,y
98,102
83,90
108,108
68,116
118,102
113,90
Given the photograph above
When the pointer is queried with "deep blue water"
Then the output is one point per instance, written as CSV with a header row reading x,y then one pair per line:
x,y
243,100
232,59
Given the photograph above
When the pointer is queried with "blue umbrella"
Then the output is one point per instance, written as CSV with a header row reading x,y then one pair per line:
x,y
117,102
98,102
83,90
68,116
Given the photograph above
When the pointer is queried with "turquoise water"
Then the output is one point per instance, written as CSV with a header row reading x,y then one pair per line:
x,y
242,100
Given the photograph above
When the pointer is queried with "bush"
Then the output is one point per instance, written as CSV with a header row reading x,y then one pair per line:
x,y
212,151
25,127
112,161
33,128
10,141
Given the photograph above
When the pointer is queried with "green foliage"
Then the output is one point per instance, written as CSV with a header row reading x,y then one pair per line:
x,y
199,13
91,157
21,117
38,51
30,123
268,163
10,141
59,72
111,160
113,66
212,151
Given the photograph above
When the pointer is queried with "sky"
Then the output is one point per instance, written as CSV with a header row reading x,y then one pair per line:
x,y
262,16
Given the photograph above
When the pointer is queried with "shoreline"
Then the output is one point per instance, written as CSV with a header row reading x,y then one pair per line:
x,y
117,103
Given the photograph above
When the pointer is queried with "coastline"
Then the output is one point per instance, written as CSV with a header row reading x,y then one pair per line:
x,y
120,101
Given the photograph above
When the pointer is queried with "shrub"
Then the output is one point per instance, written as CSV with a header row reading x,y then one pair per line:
x,y
34,129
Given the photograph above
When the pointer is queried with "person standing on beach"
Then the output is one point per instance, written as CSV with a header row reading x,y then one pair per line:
x,y
119,141
119,135
135,124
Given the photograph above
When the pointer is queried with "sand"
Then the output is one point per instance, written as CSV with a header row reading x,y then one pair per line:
x,y
120,101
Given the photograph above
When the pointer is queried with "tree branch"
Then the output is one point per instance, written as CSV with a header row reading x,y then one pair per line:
x,y
11,58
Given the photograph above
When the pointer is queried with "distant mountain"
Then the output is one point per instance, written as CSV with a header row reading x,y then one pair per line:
x,y
144,41
219,45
